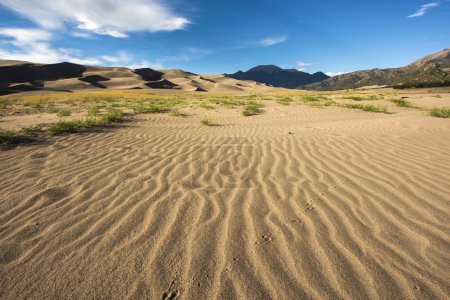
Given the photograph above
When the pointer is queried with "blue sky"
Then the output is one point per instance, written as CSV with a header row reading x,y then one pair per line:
x,y
205,36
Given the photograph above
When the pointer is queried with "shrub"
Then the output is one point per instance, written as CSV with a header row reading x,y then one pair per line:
x,y
64,113
312,98
206,122
285,100
251,108
440,112
402,102
354,98
366,107
93,110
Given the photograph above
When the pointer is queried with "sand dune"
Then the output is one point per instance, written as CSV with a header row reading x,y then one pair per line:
x,y
295,203
19,76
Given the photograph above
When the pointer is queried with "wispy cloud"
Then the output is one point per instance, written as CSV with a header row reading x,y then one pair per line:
x,y
264,42
301,65
423,9
31,44
34,45
270,41
89,16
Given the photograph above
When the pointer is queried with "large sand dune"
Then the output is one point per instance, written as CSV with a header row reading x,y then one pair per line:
x,y
20,76
295,203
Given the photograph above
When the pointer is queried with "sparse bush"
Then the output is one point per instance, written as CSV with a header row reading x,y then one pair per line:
x,y
66,126
227,102
354,98
440,112
176,113
312,98
366,107
93,110
251,108
32,130
206,122
62,126
51,109
64,113
285,100
113,115
402,103
5,103
8,137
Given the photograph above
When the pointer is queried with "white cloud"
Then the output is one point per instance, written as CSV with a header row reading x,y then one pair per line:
x,y
423,9
120,58
146,64
270,41
22,36
34,46
302,65
104,17
332,74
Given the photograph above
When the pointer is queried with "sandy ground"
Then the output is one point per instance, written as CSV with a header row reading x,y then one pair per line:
x,y
295,203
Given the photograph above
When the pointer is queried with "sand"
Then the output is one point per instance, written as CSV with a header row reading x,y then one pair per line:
x,y
295,203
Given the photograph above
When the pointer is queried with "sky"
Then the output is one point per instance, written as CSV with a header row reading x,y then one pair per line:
x,y
224,36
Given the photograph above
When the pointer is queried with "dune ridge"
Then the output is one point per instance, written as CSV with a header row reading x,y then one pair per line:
x,y
295,203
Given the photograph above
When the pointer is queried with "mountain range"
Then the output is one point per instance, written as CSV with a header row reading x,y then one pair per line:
x,y
278,77
433,69
20,76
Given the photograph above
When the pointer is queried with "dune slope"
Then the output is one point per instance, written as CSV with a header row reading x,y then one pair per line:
x,y
295,203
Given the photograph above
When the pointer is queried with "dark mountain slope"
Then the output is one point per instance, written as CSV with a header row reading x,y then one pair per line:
x,y
434,68
276,76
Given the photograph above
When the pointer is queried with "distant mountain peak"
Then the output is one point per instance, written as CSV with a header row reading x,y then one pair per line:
x,y
266,68
279,77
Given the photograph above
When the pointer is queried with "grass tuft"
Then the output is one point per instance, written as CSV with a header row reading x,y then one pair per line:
x,y
10,137
285,101
175,112
64,113
440,112
62,126
252,108
93,111
402,103
206,122
366,107
312,98
354,98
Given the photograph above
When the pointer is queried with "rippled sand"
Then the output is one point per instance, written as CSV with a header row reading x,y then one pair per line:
x,y
295,203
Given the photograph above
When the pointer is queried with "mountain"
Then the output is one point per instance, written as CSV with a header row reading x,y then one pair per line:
x,y
20,76
432,70
276,76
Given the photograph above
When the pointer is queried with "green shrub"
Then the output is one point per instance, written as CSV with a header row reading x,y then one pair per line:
x,y
64,113
440,112
366,107
251,108
206,122
93,110
312,98
354,98
285,100
402,103
10,137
